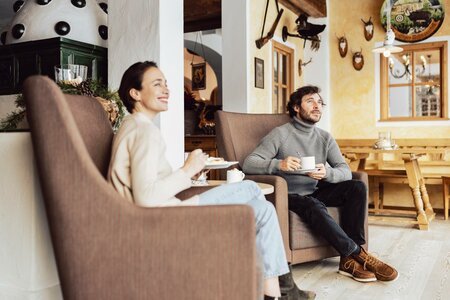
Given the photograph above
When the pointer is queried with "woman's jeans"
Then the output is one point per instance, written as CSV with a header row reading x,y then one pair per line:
x,y
268,235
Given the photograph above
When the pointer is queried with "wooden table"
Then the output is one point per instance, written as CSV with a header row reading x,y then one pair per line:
x,y
265,187
424,211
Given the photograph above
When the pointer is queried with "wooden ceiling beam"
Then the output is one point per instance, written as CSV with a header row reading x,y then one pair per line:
x,y
208,23
313,8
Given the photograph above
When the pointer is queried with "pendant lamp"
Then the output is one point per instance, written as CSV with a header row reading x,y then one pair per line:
x,y
388,44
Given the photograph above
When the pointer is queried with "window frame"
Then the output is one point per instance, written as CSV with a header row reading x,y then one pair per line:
x,y
289,53
384,83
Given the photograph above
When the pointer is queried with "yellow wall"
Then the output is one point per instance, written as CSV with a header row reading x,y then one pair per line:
x,y
260,99
353,92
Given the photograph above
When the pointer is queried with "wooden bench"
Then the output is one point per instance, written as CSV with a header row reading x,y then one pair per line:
x,y
378,178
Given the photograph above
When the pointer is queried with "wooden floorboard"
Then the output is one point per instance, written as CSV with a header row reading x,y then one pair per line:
x,y
421,257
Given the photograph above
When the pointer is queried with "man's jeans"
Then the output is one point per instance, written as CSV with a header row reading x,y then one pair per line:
x,y
351,197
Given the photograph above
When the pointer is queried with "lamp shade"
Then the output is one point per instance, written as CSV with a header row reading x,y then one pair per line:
x,y
388,44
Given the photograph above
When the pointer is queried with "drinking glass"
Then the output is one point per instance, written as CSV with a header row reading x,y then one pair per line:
x,y
68,72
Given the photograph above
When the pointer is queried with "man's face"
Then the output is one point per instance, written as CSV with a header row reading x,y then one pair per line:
x,y
310,109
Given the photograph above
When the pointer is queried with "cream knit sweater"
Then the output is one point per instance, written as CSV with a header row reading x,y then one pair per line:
x,y
139,170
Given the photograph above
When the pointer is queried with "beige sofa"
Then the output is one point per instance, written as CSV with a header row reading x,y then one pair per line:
x,y
238,134
107,248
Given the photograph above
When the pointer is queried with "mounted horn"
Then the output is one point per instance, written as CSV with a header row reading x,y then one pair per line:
x,y
342,45
358,60
368,29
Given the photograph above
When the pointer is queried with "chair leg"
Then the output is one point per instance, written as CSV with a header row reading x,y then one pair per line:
x,y
445,194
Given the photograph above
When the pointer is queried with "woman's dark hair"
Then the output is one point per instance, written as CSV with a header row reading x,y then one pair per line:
x,y
296,97
132,79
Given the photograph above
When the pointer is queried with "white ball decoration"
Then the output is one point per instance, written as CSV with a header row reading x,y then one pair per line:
x,y
80,20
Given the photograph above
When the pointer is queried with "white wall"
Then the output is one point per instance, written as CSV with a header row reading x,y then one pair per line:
x,y
318,73
157,36
235,66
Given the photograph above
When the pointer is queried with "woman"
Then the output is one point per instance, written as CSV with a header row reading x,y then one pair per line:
x,y
140,172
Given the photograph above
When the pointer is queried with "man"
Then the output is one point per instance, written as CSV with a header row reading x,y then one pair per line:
x,y
329,184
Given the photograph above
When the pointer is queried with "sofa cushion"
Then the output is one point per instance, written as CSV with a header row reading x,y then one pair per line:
x,y
301,236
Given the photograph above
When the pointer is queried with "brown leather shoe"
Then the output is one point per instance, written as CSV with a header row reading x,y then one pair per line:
x,y
382,271
348,266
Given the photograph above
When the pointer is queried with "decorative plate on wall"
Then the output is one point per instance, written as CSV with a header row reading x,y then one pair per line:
x,y
414,20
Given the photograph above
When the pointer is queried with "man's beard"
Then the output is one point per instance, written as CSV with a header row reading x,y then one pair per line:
x,y
307,118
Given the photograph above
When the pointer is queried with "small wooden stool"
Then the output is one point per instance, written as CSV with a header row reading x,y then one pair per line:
x,y
445,194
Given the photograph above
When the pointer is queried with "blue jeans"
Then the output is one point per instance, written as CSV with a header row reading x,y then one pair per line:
x,y
268,235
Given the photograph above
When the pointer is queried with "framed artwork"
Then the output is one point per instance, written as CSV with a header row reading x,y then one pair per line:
x,y
414,20
259,73
199,76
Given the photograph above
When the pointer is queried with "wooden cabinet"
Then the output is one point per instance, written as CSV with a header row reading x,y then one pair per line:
x,y
18,61
205,142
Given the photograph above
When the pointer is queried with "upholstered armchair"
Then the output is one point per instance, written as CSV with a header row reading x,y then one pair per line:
x,y
108,248
238,134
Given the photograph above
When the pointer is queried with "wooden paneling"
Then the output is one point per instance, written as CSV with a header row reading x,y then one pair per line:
x,y
206,14
202,15
313,8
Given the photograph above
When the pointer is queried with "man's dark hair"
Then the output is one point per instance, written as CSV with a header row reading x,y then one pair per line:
x,y
296,97
132,79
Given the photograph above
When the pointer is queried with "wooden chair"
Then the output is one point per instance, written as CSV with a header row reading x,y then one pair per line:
x,y
445,194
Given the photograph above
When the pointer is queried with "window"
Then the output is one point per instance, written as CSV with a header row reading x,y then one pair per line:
x,y
282,79
414,83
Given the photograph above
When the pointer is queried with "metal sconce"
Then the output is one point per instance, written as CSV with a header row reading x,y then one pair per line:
x,y
305,31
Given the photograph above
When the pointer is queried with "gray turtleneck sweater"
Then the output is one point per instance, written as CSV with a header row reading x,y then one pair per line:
x,y
289,140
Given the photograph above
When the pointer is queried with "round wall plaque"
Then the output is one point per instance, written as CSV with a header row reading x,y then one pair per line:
x,y
414,20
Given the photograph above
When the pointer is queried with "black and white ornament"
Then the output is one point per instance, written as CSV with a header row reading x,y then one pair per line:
x,y
80,20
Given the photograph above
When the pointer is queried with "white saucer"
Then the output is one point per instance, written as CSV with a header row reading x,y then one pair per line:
x,y
221,165
303,171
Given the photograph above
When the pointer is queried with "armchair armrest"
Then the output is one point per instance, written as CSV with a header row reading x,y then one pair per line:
x,y
192,191
279,199
362,176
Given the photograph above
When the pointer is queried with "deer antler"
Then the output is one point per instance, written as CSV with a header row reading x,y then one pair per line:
x,y
368,22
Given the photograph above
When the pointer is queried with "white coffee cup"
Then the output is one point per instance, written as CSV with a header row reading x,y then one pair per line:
x,y
308,162
235,175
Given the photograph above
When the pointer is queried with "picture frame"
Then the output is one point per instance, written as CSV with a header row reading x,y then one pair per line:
x,y
259,73
199,76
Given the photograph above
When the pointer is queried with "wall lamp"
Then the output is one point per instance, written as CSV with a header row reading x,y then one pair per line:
x,y
305,31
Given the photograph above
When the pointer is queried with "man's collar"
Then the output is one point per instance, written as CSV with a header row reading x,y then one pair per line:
x,y
302,125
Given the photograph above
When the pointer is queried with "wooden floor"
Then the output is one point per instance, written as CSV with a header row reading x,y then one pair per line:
x,y
421,257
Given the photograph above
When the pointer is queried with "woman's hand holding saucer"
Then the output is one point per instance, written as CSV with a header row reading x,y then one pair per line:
x,y
195,162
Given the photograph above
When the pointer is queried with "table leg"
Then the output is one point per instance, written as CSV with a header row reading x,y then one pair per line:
x,y
413,174
423,189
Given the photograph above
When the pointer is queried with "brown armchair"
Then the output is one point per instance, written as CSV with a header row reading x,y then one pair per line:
x,y
107,248
238,134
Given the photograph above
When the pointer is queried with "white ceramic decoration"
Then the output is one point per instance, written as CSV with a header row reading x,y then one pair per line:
x,y
80,20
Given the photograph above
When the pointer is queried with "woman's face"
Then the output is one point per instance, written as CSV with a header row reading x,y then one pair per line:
x,y
153,98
